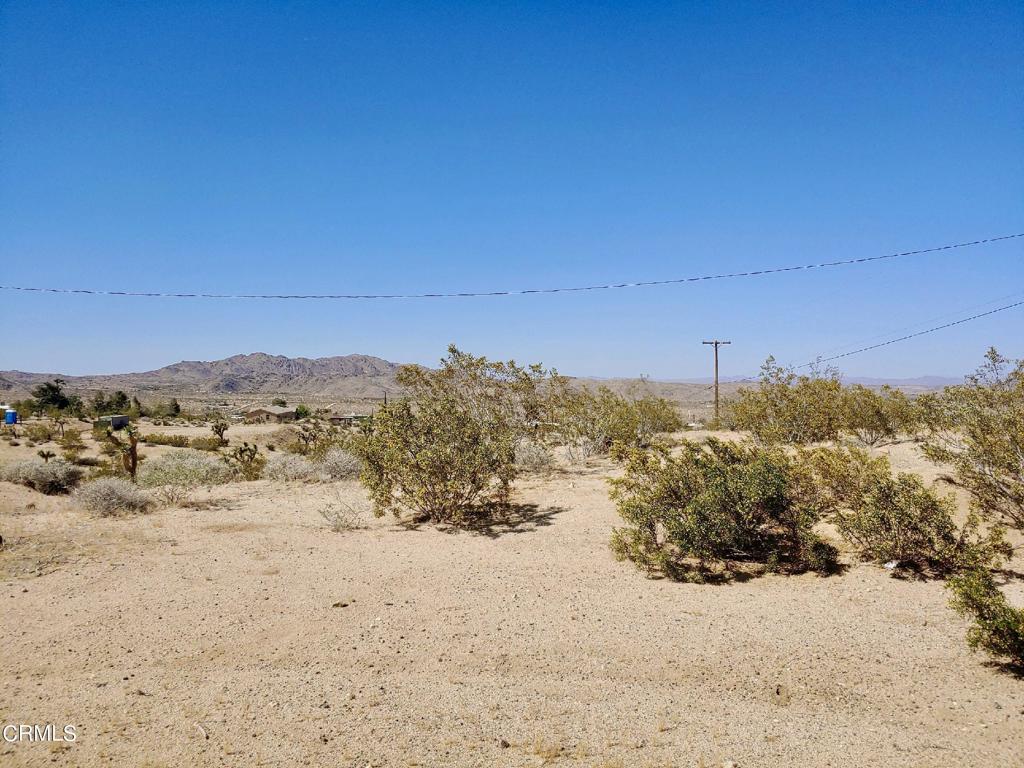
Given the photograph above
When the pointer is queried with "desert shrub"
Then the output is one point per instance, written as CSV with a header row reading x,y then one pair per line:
x,y
713,505
288,466
205,443
448,453
188,469
113,495
582,448
339,464
71,445
341,515
39,433
978,429
51,477
590,421
998,627
532,456
873,416
171,495
786,408
897,518
155,438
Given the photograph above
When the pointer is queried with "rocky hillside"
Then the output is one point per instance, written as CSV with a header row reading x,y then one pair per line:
x,y
350,376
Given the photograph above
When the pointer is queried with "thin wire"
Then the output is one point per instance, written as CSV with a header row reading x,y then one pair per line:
x,y
820,360
933,319
467,294
913,335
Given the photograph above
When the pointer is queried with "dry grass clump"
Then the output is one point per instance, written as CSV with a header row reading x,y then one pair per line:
x,y
339,464
342,516
186,468
108,496
285,467
532,456
49,477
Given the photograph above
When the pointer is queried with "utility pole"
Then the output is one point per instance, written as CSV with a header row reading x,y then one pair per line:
x,y
716,343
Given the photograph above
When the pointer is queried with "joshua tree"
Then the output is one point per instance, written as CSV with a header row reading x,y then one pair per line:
x,y
45,455
219,427
247,460
127,448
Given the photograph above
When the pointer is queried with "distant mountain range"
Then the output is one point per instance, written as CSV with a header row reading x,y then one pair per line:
x,y
343,377
350,376
915,383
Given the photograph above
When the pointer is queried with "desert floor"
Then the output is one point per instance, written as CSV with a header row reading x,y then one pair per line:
x,y
243,632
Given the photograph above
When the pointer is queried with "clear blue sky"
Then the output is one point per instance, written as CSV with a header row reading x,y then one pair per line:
x,y
385,147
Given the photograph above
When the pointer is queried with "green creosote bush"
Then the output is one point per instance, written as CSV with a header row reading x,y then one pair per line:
x,y
72,445
897,518
39,433
205,443
998,627
713,505
786,408
176,441
589,421
187,468
876,417
109,496
978,429
51,477
447,453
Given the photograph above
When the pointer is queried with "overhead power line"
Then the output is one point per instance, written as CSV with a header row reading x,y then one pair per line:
x,y
933,329
521,292
961,321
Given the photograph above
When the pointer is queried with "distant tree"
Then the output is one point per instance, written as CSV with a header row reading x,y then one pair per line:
x,y
136,409
280,402
101,405
49,395
57,419
302,411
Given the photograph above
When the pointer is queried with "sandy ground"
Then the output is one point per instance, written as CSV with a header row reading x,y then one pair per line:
x,y
245,633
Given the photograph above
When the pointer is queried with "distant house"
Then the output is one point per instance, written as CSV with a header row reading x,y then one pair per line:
x,y
347,419
115,422
266,414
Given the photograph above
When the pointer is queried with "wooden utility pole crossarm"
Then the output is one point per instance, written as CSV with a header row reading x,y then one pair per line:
x,y
716,343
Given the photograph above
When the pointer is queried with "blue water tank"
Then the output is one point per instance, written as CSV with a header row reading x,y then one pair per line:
x,y
10,416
